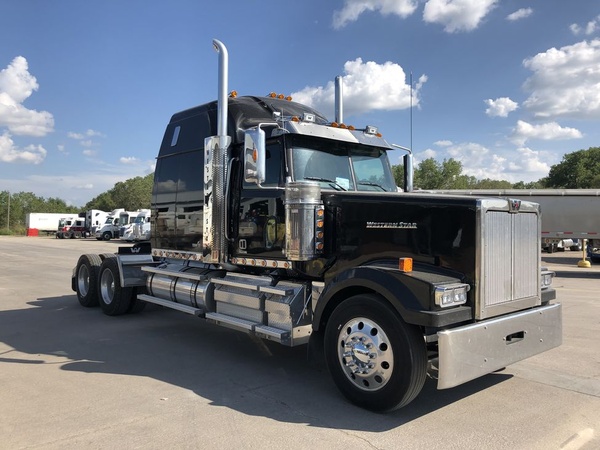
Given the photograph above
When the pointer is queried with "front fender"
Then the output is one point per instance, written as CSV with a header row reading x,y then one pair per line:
x,y
410,294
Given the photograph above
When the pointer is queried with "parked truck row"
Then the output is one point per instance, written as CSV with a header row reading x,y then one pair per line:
x,y
116,224
270,219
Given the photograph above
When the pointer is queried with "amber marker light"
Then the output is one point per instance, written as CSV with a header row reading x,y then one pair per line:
x,y
405,264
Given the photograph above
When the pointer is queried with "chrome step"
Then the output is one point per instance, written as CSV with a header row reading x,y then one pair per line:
x,y
272,333
231,322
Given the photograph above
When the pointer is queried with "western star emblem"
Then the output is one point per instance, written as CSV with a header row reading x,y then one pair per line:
x,y
515,205
401,225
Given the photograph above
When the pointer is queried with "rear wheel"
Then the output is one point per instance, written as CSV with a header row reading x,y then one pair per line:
x,y
86,272
376,360
114,299
106,235
137,306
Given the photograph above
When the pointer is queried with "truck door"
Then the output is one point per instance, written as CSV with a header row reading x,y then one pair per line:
x,y
261,215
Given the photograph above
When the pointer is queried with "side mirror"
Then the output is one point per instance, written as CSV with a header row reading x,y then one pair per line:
x,y
255,155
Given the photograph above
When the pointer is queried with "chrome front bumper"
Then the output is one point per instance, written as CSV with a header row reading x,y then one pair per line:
x,y
468,352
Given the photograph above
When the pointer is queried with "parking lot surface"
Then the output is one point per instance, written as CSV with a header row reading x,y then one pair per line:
x,y
71,377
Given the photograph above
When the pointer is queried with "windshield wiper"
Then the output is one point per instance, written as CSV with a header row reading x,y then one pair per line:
x,y
369,183
334,184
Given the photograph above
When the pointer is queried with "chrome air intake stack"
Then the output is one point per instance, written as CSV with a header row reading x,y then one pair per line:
x,y
304,221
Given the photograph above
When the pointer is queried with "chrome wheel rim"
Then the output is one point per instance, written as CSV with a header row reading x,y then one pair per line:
x,y
83,280
365,354
107,287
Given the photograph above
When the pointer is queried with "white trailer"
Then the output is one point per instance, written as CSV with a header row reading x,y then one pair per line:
x,y
568,215
45,222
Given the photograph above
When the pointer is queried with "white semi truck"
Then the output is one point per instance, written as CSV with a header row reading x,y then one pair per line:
x,y
110,228
95,218
126,223
140,230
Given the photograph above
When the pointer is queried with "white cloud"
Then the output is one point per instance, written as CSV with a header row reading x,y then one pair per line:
x,y
457,15
419,157
366,87
565,81
520,14
16,86
590,28
471,154
443,143
521,164
352,9
9,152
529,161
546,131
501,107
89,152
128,160
88,133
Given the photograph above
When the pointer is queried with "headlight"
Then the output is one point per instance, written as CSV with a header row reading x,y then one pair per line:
x,y
451,294
547,276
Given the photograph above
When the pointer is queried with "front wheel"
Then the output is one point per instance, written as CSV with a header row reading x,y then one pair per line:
x,y
376,360
114,299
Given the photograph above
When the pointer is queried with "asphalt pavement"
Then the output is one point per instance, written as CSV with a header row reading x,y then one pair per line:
x,y
72,378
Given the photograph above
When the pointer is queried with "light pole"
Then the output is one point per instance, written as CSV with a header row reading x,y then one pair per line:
x,y
8,214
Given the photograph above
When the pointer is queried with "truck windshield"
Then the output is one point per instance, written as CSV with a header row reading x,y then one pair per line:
x,y
355,168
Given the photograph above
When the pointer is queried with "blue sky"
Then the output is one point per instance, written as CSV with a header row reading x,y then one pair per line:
x,y
87,88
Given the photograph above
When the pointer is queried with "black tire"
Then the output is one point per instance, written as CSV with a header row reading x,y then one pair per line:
x,y
113,298
137,306
376,360
107,235
86,280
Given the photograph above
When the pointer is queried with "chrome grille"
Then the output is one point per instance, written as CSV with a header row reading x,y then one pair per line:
x,y
510,260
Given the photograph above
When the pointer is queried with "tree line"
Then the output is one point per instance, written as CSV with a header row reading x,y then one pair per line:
x,y
577,170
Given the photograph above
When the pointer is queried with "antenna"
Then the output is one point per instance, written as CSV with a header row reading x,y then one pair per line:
x,y
411,111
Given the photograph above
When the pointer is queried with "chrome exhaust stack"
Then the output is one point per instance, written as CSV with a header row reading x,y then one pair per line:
x,y
215,171
339,101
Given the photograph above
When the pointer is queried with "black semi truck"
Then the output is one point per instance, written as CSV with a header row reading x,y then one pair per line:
x,y
269,219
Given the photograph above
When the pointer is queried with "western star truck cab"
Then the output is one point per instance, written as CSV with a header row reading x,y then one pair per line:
x,y
269,219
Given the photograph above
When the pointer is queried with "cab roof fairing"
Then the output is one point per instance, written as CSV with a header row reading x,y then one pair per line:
x,y
334,133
